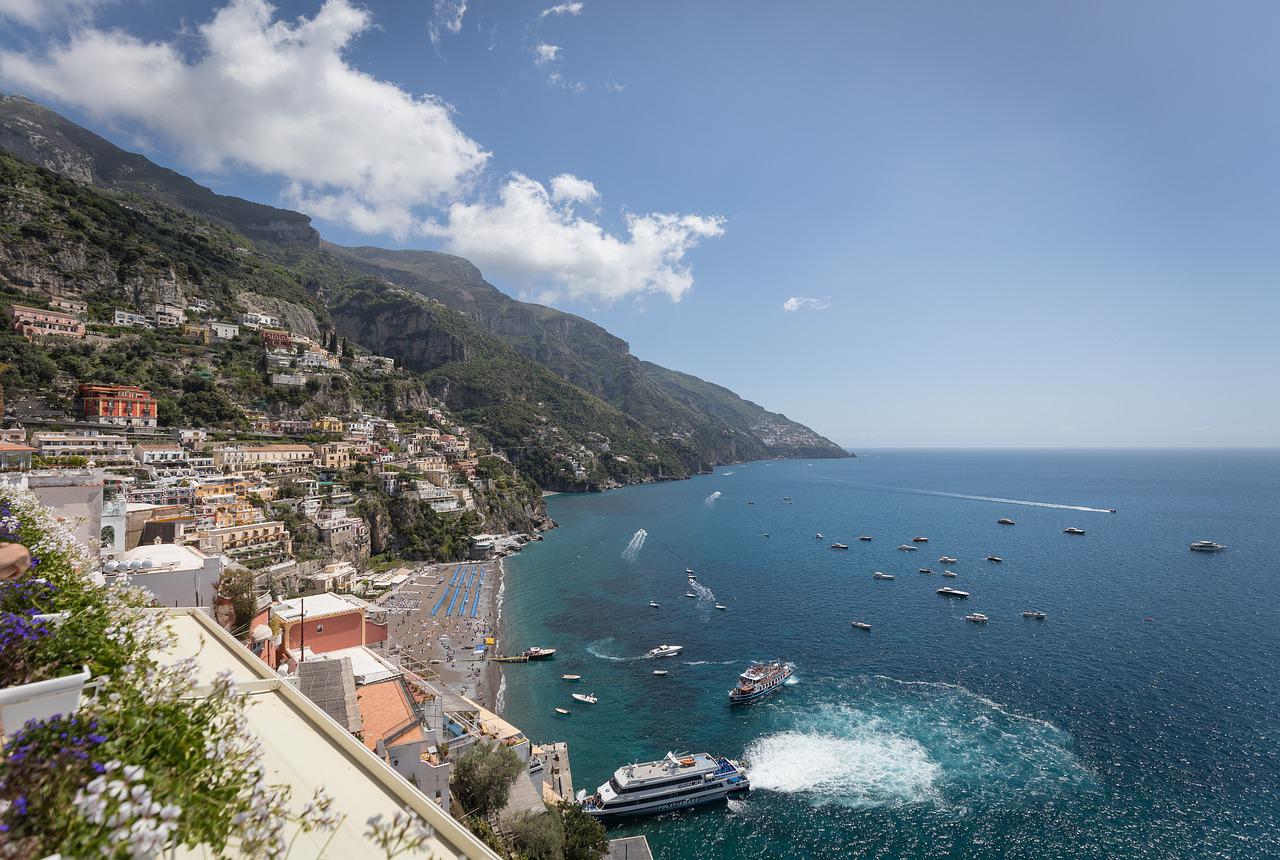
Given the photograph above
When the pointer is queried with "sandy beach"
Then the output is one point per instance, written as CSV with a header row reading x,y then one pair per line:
x,y
443,644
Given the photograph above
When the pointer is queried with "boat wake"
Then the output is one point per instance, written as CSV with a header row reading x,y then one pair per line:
x,y
996,499
709,662
635,545
711,499
593,648
706,597
913,743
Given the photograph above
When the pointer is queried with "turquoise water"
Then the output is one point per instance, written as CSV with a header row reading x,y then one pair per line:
x,y
1096,733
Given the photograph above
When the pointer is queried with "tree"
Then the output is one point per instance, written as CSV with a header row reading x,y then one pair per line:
x,y
108,535
237,585
584,837
333,342
539,836
482,777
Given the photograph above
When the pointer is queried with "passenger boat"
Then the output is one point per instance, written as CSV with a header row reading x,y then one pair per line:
x,y
1034,613
1072,530
950,573
995,558
920,540
664,651
1207,546
536,653
674,782
946,559
661,673
1004,521
925,570
570,677
721,606
564,712
879,575
839,546
759,680
976,618
589,698
864,537
948,591
861,625
906,547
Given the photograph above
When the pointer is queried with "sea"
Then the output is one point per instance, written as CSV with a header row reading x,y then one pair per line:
x,y
1140,719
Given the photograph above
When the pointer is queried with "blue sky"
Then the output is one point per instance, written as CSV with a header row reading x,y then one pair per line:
x,y
1005,223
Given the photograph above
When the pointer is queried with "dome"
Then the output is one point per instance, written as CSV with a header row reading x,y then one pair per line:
x,y
148,564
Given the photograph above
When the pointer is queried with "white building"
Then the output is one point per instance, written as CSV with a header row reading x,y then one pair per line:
x,y
253,319
101,448
129,318
176,575
224,330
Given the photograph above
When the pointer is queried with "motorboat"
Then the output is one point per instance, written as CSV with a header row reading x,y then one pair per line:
x,y
1004,521
1034,613
661,673
818,536
570,677
995,558
674,782
692,578
919,540
536,653
839,546
690,594
950,573
689,571
1072,530
948,591
879,575
861,625
976,618
721,607
664,651
564,712
655,604
906,547
759,680
864,537
588,698
925,570
1207,546
946,559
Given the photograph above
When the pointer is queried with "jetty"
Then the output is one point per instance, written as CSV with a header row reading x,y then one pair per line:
x,y
511,658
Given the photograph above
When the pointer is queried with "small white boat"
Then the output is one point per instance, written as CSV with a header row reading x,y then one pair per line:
x,y
948,591
925,570
721,606
570,677
879,575
818,536
689,571
946,559
906,547
589,698
1034,613
950,573
1073,531
661,673
665,651
839,546
864,537
861,625
976,618
994,558
690,594
1004,521
693,578
655,604
564,712
1207,546
920,540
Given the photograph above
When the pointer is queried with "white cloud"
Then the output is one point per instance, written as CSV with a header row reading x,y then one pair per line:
x,y
447,18
567,188
562,9
544,53
795,303
527,238
557,80
44,13
278,98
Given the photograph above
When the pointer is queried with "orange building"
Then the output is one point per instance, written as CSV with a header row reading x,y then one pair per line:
x,y
122,405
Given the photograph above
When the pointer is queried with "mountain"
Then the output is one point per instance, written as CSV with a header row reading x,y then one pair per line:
x,y
559,393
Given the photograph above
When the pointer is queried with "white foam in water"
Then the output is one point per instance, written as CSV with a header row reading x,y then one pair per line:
x,y
593,649
866,768
635,545
711,499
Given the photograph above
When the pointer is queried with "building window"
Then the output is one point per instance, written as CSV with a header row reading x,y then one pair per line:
x,y
319,628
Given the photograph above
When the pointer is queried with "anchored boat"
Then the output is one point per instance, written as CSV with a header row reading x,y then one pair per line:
x,y
589,698
674,782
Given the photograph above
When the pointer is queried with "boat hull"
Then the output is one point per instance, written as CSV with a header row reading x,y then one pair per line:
x,y
736,698
710,794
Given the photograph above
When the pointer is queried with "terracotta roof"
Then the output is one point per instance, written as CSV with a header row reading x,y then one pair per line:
x,y
15,447
384,707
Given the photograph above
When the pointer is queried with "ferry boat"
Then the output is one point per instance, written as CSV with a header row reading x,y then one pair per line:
x,y
1072,531
664,651
1207,546
864,537
589,698
759,680
946,559
674,782
1034,613
839,546
536,653
861,625
879,575
948,591
1004,521
976,618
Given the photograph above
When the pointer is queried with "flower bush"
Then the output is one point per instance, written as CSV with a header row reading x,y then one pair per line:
x,y
146,765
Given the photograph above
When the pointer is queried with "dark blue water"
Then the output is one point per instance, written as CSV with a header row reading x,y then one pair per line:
x,y
1142,719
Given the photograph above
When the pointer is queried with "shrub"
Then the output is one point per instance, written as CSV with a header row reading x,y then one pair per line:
x,y
538,836
482,778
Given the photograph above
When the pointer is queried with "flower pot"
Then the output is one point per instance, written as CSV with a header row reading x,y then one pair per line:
x,y
40,700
